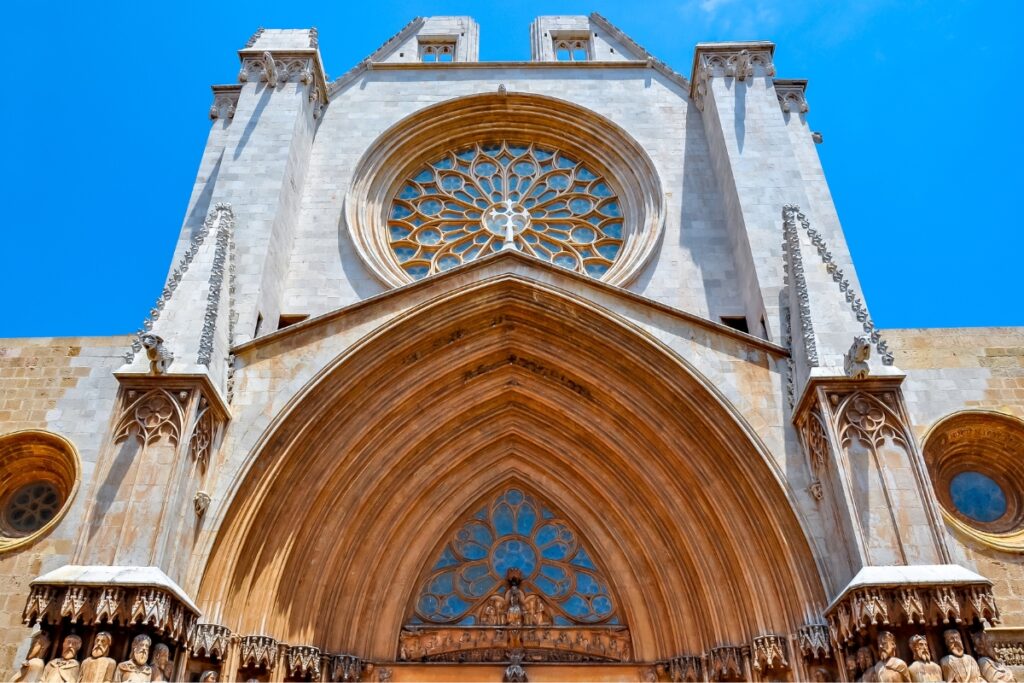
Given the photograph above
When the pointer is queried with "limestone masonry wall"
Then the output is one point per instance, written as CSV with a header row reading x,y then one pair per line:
x,y
63,385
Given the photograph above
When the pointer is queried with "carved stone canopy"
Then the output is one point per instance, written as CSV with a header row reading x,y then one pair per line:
x,y
933,595
112,595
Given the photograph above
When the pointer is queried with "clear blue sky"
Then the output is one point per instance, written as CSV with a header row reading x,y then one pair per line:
x,y
105,114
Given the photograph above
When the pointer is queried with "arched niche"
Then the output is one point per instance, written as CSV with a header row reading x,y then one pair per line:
x,y
353,488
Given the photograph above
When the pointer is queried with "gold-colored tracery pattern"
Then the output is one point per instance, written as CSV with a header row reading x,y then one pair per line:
x,y
505,195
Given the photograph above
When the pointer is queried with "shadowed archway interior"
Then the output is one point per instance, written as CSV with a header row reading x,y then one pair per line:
x,y
348,500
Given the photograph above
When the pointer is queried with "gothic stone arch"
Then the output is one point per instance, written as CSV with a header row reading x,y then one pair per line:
x,y
349,496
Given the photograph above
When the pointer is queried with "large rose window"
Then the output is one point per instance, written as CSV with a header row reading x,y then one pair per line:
x,y
503,195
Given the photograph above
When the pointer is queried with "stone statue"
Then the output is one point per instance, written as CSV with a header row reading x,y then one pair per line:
x,y
514,599
32,668
958,667
99,667
208,677
161,665
991,668
135,670
65,669
866,665
923,668
890,668
160,357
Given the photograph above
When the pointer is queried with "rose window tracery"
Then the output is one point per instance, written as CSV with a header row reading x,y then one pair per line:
x,y
515,561
504,195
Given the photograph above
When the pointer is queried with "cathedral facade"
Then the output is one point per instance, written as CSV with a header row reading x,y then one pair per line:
x,y
546,370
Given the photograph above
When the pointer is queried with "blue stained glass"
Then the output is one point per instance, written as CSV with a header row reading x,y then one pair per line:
x,y
586,584
546,585
576,606
559,620
451,193
584,235
447,559
566,261
443,583
559,182
977,496
503,522
601,604
582,559
525,520
514,497
516,554
405,253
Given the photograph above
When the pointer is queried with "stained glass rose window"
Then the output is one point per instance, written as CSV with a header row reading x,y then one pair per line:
x,y
503,195
515,535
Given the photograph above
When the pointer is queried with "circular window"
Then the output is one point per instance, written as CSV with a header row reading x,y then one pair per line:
x,y
29,508
512,172
976,465
504,195
39,474
977,496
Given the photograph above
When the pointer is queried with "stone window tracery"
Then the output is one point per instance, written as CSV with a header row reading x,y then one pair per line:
x,y
505,195
572,49
437,51
39,475
514,562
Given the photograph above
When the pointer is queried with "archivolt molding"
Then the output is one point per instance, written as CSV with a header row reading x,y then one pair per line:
x,y
514,117
473,431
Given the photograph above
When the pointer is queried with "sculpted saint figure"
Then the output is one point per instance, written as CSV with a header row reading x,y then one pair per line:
x,y
514,599
991,668
958,667
99,667
208,677
890,668
32,668
135,670
161,665
64,669
923,668
866,665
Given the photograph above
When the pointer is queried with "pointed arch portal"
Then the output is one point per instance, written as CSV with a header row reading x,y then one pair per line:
x,y
361,493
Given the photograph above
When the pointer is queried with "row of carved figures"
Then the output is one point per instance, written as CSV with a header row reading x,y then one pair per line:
x,y
956,667
99,666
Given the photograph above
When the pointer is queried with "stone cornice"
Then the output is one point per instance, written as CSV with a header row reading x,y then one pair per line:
x,y
573,283
792,95
731,60
302,65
